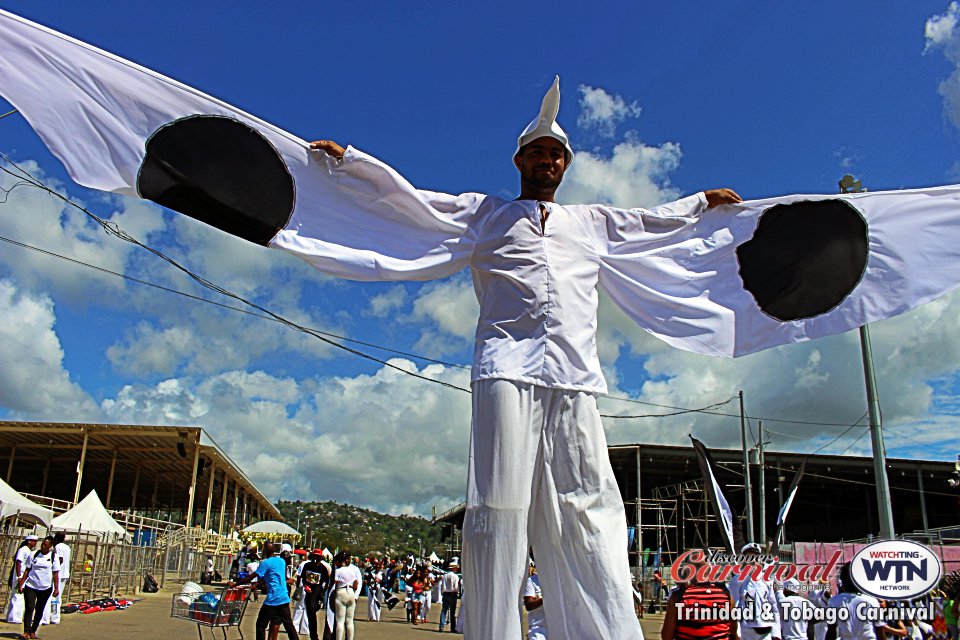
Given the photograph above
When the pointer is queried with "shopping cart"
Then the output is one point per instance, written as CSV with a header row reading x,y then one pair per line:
x,y
211,610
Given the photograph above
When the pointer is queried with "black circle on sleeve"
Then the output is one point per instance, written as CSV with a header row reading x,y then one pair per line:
x,y
804,258
219,171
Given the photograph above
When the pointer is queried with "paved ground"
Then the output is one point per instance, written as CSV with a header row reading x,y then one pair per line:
x,y
150,619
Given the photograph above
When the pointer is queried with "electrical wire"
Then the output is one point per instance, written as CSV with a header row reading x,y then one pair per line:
x,y
220,304
674,413
24,178
114,230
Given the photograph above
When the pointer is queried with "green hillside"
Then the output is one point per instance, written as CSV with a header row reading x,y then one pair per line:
x,y
361,531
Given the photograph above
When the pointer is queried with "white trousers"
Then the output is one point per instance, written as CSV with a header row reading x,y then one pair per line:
x,y
425,607
345,603
540,476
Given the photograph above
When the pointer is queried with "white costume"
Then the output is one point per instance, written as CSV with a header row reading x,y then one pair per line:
x,y
539,470
854,627
759,597
794,627
374,596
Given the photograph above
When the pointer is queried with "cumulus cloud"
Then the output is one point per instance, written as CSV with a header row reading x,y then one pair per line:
x,y
175,335
388,302
941,35
915,357
602,111
32,352
939,29
383,440
634,174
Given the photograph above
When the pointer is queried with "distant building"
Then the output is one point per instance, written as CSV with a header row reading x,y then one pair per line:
x,y
836,499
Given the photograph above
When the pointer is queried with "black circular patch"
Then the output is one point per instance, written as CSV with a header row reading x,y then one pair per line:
x,y
221,172
804,258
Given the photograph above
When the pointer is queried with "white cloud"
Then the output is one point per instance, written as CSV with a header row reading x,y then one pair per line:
x,y
176,335
603,112
633,175
388,302
32,353
385,440
939,29
941,34
451,305
818,381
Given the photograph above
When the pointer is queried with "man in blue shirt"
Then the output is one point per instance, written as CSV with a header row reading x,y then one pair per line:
x,y
273,573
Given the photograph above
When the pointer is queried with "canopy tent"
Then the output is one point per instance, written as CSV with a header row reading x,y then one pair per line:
x,y
13,504
270,530
434,558
89,516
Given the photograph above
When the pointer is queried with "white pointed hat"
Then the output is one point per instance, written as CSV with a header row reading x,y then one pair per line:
x,y
545,124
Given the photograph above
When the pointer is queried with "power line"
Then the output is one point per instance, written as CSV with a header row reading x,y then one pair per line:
x,y
24,178
675,413
114,230
220,304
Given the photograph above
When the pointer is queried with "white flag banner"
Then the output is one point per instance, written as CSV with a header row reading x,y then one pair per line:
x,y
740,279
718,501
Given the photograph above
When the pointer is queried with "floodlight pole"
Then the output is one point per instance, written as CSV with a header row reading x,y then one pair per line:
x,y
884,507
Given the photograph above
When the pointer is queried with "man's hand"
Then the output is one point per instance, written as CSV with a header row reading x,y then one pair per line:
x,y
716,197
332,149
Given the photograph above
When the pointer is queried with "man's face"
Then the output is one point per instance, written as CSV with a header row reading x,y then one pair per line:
x,y
542,163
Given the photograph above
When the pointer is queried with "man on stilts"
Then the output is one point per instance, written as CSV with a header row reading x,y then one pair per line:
x,y
539,474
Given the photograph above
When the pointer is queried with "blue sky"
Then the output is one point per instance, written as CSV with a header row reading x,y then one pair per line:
x,y
661,99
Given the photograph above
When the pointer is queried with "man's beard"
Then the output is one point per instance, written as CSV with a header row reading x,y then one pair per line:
x,y
544,181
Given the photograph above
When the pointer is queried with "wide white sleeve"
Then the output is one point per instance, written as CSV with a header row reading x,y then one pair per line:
x,y
360,219
645,264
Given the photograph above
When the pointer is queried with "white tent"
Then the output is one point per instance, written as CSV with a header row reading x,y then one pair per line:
x,y
272,527
89,516
12,503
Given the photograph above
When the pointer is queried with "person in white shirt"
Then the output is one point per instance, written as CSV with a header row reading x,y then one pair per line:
x,y
62,549
794,627
855,626
533,603
538,450
347,581
449,593
26,549
40,578
758,597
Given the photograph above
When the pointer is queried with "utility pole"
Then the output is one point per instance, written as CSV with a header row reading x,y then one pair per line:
x,y
884,508
748,534
762,491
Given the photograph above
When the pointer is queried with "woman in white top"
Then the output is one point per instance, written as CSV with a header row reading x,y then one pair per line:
x,y
41,577
347,580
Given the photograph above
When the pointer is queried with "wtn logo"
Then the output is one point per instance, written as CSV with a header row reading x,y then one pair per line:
x,y
898,569
903,570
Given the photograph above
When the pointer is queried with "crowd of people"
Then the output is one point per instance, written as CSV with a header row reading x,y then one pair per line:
x,y
315,581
